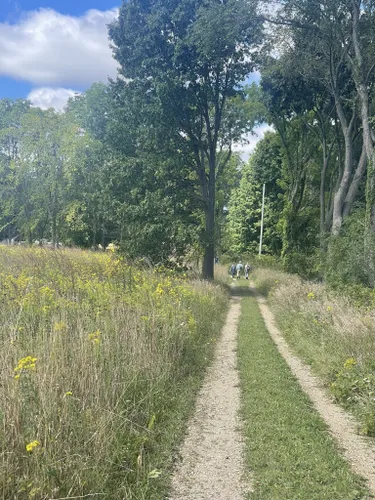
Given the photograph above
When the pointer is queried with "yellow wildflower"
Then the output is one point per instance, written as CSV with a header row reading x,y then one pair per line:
x,y
60,326
27,363
350,363
95,337
311,295
31,446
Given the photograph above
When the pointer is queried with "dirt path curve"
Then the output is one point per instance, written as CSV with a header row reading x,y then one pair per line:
x,y
356,449
211,465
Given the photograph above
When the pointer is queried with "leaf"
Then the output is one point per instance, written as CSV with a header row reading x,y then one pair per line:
x,y
151,422
154,474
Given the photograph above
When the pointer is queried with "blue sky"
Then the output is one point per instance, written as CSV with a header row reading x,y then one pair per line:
x,y
10,10
50,49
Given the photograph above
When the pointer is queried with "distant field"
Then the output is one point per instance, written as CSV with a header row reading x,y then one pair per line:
x,y
99,364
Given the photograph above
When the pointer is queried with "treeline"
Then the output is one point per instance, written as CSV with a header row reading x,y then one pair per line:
x,y
78,178
318,164
147,160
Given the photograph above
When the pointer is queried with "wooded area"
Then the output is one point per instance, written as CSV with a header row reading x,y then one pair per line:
x,y
147,160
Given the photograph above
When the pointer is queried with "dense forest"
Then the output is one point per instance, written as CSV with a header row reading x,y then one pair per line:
x,y
146,161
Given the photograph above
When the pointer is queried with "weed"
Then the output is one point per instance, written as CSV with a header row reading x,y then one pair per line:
x,y
99,365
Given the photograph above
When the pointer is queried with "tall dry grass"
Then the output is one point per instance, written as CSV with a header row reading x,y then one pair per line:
x,y
98,367
334,336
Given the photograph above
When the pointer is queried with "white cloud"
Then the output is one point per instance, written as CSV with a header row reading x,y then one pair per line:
x,y
48,48
253,77
46,97
251,141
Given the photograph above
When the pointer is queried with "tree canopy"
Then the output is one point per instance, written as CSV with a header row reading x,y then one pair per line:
x,y
147,159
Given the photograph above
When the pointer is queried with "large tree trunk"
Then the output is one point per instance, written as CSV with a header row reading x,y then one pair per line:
x,y
322,196
209,250
354,185
363,94
344,183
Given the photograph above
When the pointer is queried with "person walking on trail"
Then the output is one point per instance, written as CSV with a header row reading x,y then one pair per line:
x,y
239,269
233,270
247,270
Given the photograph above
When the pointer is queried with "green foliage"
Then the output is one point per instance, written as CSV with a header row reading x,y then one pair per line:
x,y
245,204
244,214
346,262
185,82
308,266
354,388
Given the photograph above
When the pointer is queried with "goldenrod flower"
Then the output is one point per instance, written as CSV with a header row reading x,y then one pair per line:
x,y
31,446
27,363
60,326
95,337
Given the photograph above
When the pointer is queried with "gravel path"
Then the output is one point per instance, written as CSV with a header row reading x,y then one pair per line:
x,y
356,449
211,458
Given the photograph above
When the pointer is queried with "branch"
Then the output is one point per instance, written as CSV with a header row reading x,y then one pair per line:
x,y
282,21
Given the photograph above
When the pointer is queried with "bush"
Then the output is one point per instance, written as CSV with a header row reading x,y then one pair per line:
x,y
355,389
346,262
307,266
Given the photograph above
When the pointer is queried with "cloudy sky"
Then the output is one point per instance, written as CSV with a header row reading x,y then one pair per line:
x,y
50,49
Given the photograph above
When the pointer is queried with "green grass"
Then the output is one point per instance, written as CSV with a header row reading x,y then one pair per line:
x,y
100,363
289,450
331,332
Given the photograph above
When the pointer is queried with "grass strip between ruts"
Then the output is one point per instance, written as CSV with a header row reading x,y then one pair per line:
x,y
289,450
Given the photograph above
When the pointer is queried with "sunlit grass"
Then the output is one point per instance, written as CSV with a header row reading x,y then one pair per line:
x,y
99,363
327,329
290,452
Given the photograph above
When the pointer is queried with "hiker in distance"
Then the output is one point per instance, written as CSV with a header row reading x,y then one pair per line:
x,y
247,270
239,269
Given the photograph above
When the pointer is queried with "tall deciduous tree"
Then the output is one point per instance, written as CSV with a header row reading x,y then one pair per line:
x,y
184,60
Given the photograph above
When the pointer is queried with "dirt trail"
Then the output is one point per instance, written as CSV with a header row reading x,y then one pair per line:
x,y
211,465
356,449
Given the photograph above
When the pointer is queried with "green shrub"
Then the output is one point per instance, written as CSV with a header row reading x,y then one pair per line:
x,y
308,266
354,388
346,262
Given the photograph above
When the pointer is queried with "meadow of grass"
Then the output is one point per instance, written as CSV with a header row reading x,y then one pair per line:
x,y
99,366
290,452
333,331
